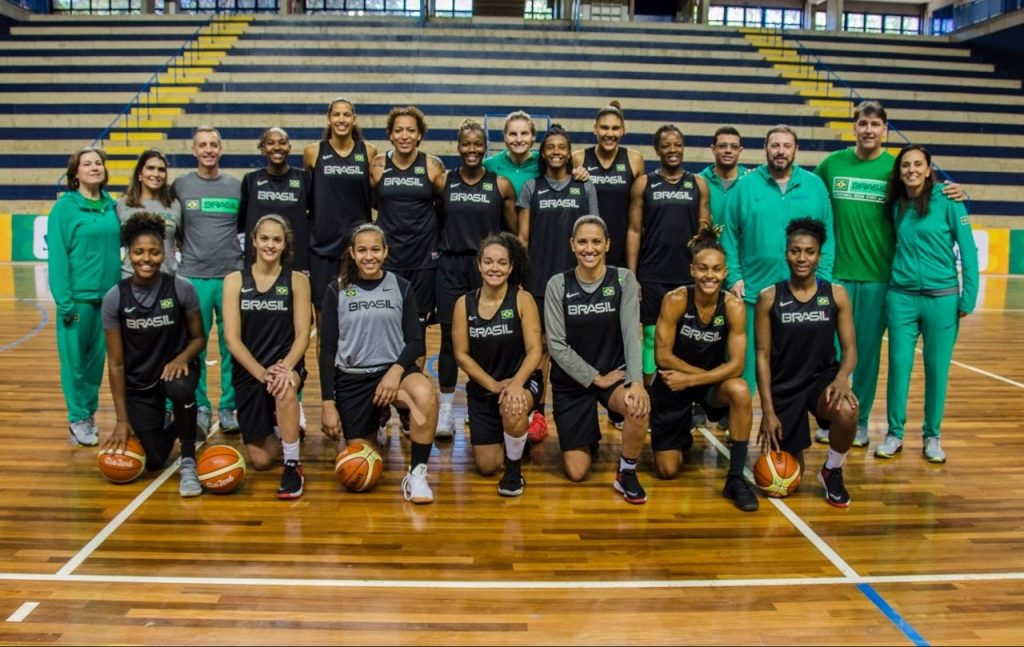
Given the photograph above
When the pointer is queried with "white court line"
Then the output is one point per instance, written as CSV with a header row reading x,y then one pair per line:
x,y
794,519
22,612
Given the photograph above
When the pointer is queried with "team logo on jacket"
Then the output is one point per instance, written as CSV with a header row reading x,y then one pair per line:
x,y
620,168
719,321
822,301
282,290
507,314
608,291
166,304
295,184
192,204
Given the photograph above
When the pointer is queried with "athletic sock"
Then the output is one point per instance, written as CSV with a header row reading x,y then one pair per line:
x,y
290,450
834,459
627,463
514,446
448,398
420,454
738,457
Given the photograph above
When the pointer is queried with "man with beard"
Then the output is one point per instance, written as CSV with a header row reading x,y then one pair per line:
x,y
757,211
721,176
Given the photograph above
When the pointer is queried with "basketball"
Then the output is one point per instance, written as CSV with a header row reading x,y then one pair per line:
x,y
123,467
358,467
221,469
777,473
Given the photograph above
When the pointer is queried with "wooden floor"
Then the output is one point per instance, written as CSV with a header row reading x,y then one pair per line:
x,y
926,554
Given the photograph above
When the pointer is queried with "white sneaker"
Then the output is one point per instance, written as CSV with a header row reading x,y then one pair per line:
x,y
415,486
302,420
821,436
445,422
83,433
188,485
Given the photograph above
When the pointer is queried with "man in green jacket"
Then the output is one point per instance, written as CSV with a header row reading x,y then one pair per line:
x,y
721,176
757,211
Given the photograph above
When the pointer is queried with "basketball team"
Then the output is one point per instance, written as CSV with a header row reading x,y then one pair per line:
x,y
668,297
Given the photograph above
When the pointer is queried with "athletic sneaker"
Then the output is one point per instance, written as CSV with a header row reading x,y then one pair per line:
x,y
723,428
302,423
627,484
228,423
403,421
932,450
203,417
538,429
821,436
700,419
188,483
835,491
891,445
861,439
383,437
741,493
445,422
291,481
619,424
83,433
415,486
512,482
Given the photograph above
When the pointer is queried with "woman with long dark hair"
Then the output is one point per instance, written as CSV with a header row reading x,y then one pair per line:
x,y
149,191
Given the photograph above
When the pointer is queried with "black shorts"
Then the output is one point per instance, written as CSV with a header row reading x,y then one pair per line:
x,y
257,411
672,414
322,270
353,396
575,411
792,412
485,426
457,274
423,285
651,296
146,411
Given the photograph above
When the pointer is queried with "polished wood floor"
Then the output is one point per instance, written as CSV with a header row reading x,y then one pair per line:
x,y
927,554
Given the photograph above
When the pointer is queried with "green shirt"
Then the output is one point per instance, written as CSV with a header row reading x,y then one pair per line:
x,y
83,245
517,174
717,191
754,233
864,233
925,260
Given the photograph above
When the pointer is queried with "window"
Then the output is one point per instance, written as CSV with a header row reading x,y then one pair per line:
x,y
792,19
873,23
538,10
774,18
96,6
226,6
716,15
360,7
734,16
877,23
854,22
752,16
453,8
820,20
912,25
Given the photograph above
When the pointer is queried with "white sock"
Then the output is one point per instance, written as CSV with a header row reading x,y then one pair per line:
x,y
627,463
290,450
834,459
448,398
514,446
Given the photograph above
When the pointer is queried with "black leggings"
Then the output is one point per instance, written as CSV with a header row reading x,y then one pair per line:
x,y
146,413
447,369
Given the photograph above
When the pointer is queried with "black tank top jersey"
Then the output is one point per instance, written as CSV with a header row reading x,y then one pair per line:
x,y
552,215
613,185
803,337
406,213
592,326
671,218
702,344
496,343
151,336
287,196
268,327
471,212
341,197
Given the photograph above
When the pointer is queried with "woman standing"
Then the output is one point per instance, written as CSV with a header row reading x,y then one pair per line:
x,y
925,298
474,203
266,321
518,162
667,207
370,340
612,169
340,167
149,191
593,318
154,333
496,331
797,372
83,256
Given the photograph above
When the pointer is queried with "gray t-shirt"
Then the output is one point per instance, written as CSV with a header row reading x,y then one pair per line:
x,y
526,194
146,295
629,320
172,216
209,225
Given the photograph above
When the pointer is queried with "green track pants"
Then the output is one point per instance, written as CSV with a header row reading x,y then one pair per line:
x,y
868,301
210,293
82,348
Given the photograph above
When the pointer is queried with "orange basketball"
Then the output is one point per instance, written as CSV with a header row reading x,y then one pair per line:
x,y
123,467
777,473
358,466
221,469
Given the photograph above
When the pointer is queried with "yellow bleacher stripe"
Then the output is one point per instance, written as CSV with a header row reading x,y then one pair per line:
x,y
174,89
132,137
6,243
829,103
124,149
845,112
120,164
157,111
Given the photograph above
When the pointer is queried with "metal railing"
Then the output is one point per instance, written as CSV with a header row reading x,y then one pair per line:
x,y
971,13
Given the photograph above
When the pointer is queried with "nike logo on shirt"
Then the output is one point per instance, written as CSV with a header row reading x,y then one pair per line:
x,y
572,296
127,310
327,157
689,316
261,182
543,191
783,304
592,168
656,185
456,184
244,290
189,406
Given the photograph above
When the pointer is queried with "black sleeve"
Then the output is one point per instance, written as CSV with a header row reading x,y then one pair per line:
x,y
307,179
328,335
411,329
243,204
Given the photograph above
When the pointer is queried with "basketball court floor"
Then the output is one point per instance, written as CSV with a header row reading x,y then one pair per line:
x,y
926,554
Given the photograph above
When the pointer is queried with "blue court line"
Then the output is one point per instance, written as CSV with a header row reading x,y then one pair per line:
x,y
32,333
892,614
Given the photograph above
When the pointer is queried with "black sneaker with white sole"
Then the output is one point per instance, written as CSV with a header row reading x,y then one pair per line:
x,y
835,490
292,481
741,493
512,482
628,485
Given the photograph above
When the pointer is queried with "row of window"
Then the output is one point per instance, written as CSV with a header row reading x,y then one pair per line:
x,y
793,19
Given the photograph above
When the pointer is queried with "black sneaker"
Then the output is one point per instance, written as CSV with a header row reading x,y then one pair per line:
x,y
629,486
741,493
512,482
835,491
403,419
291,481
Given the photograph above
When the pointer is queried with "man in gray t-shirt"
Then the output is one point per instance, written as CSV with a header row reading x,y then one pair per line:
x,y
210,251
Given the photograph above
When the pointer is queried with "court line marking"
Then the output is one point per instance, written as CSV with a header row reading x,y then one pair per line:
x,y
892,614
22,612
979,371
32,333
